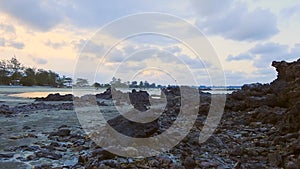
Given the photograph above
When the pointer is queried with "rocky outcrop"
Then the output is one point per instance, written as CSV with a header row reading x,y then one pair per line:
x,y
133,129
276,105
105,95
139,100
40,106
56,97
283,92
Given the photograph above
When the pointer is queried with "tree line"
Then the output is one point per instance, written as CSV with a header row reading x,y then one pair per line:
x,y
12,72
117,82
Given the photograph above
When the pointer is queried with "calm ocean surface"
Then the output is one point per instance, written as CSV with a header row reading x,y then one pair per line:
x,y
32,92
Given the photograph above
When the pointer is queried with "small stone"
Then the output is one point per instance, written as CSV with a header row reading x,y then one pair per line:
x,y
206,164
6,155
275,159
103,153
26,127
29,135
61,133
48,154
189,163
291,165
82,159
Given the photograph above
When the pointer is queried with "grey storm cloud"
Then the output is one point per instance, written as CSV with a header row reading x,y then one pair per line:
x,y
233,20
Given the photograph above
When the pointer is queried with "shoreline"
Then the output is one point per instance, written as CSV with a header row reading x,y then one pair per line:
x,y
259,129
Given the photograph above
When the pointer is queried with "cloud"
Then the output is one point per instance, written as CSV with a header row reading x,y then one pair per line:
x,y
10,43
43,15
269,48
211,8
264,53
291,11
39,61
17,45
116,56
296,50
243,56
2,42
7,28
88,46
55,45
233,20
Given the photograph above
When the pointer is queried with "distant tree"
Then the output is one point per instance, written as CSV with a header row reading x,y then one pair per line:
x,y
46,78
133,84
60,81
117,82
141,84
146,84
42,77
15,68
96,85
113,81
68,80
153,85
52,78
4,73
106,85
80,82
29,78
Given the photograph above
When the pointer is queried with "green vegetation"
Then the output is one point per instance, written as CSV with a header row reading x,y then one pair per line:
x,y
134,84
12,72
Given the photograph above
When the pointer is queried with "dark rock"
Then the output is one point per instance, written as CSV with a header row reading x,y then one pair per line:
x,y
41,106
30,148
291,165
56,97
268,114
139,100
4,109
102,154
275,159
61,133
6,155
26,127
102,104
205,164
107,95
82,159
291,121
48,154
189,163
133,129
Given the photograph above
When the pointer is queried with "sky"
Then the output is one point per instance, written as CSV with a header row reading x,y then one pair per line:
x,y
77,38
